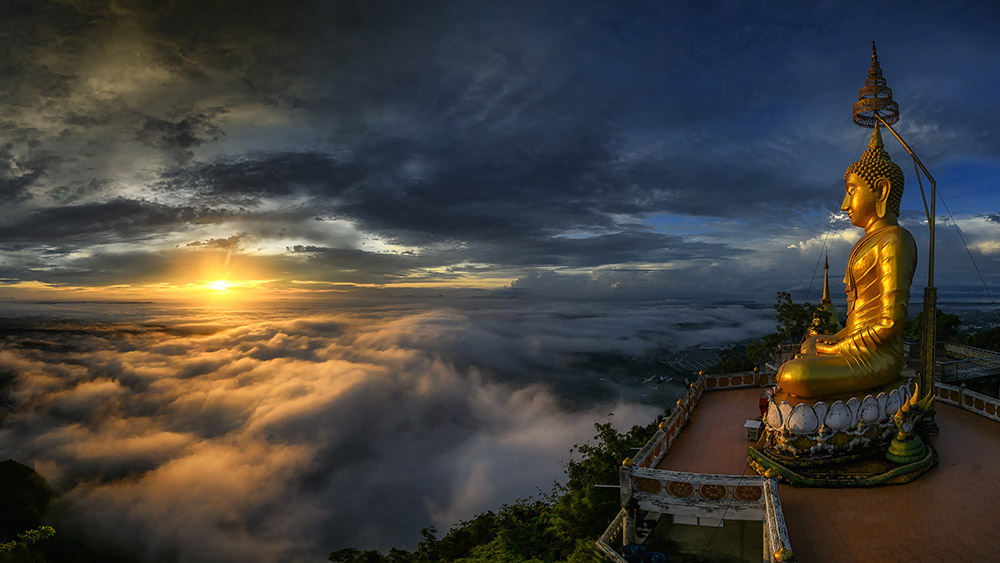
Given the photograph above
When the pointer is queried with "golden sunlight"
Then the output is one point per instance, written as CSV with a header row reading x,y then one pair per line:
x,y
219,285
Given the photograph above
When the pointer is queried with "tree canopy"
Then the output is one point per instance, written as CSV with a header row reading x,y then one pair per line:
x,y
948,328
795,321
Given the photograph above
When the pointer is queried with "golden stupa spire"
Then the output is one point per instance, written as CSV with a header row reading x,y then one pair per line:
x,y
826,303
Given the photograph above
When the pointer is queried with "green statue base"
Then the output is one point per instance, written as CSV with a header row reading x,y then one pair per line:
x,y
864,469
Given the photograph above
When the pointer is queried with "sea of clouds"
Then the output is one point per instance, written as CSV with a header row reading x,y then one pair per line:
x,y
282,433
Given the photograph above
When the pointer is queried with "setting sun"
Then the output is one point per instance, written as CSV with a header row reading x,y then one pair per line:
x,y
219,285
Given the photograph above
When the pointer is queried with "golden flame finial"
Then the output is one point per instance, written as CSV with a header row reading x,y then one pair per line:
x,y
876,140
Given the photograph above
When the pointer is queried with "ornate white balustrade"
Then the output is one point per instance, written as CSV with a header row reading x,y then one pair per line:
x,y
961,397
613,535
699,495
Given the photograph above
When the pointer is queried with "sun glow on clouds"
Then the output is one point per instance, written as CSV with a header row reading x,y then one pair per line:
x,y
219,285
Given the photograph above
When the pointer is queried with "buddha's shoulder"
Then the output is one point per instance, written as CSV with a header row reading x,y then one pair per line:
x,y
895,241
894,235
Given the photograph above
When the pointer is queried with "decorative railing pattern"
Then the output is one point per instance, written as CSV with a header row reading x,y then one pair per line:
x,y
734,380
734,497
777,547
612,536
959,396
652,453
965,351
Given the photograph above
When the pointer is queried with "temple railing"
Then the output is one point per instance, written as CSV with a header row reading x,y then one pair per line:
x,y
959,396
735,380
697,496
652,453
613,535
703,498
777,547
735,497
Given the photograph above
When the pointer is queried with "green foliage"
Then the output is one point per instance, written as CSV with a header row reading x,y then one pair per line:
x,y
559,526
24,496
823,321
946,330
761,351
583,511
731,361
988,339
22,550
351,555
794,320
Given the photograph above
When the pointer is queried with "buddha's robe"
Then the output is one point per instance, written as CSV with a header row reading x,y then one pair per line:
x,y
869,349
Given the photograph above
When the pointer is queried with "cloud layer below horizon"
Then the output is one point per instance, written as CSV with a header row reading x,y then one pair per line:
x,y
276,439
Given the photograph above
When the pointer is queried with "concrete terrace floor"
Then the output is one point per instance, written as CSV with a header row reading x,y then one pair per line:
x,y
950,514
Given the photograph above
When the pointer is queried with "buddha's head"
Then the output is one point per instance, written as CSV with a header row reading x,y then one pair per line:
x,y
874,185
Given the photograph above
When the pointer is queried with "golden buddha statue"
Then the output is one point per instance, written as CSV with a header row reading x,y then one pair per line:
x,y
868,351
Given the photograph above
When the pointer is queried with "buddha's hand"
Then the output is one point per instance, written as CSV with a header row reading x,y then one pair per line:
x,y
827,346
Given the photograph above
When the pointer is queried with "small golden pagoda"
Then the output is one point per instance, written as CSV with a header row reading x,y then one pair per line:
x,y
826,304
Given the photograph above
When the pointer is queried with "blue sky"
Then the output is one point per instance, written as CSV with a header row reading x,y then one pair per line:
x,y
596,149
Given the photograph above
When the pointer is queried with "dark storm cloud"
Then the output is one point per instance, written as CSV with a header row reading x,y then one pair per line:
x,y
231,242
258,436
340,260
14,179
247,179
28,25
115,220
632,245
180,136
457,167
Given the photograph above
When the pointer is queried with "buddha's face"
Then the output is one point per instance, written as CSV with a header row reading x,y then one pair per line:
x,y
859,201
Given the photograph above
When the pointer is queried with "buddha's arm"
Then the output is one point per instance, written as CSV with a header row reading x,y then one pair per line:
x,y
870,337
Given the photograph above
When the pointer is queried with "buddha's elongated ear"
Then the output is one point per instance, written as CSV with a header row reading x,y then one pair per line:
x,y
882,188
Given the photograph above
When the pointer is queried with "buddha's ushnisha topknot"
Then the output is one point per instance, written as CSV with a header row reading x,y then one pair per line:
x,y
875,164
